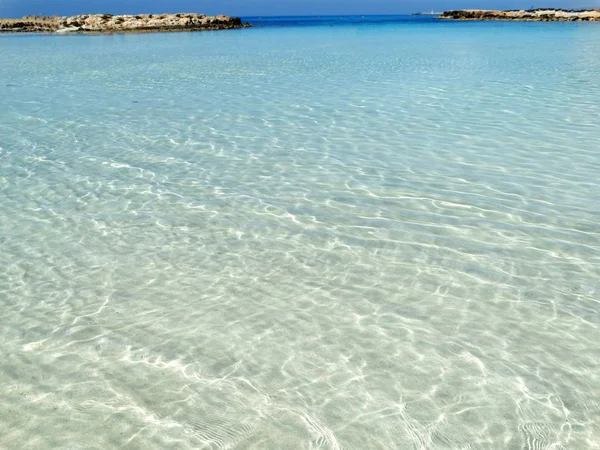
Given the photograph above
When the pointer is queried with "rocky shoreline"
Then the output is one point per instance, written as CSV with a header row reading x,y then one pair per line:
x,y
107,23
532,15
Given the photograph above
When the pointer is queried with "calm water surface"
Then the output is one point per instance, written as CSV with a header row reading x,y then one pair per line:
x,y
378,233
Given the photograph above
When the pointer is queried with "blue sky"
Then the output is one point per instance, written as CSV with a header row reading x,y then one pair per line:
x,y
17,8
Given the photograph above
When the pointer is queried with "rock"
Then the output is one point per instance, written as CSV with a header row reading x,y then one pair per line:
x,y
67,30
107,23
542,15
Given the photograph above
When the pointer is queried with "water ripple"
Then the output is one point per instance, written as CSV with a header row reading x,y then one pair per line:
x,y
381,237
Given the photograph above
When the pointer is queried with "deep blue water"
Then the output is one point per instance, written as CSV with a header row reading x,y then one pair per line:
x,y
329,21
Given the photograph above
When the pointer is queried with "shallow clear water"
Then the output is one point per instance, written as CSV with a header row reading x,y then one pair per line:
x,y
368,235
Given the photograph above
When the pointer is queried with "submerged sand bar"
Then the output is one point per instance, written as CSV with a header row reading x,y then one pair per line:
x,y
107,23
538,15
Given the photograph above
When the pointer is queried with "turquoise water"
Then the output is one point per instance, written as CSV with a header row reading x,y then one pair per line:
x,y
381,234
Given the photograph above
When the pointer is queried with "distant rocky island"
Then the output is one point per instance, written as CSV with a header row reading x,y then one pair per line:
x,y
538,15
107,23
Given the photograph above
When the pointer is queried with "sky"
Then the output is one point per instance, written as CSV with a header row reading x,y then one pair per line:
x,y
18,8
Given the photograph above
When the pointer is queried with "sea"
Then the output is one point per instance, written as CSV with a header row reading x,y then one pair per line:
x,y
316,233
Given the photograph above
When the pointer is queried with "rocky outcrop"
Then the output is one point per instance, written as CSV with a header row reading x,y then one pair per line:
x,y
538,15
107,23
